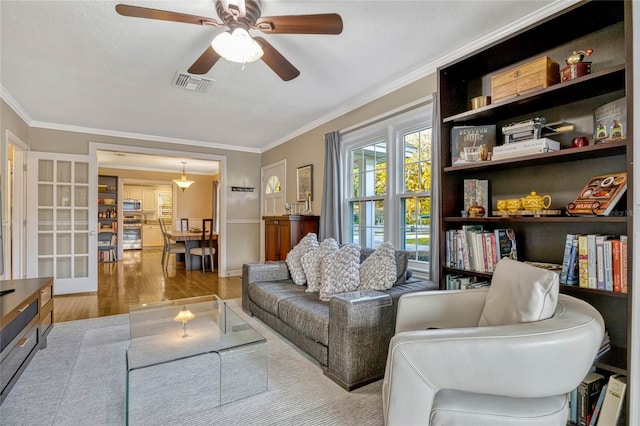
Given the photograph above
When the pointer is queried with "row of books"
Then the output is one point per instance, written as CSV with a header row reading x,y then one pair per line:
x,y
595,261
474,249
598,401
464,282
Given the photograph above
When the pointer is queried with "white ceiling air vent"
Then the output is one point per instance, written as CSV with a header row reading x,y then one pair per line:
x,y
189,82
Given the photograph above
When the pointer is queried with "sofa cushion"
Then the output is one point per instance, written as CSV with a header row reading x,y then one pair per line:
x,y
378,271
519,293
268,294
311,263
307,315
294,257
402,261
340,271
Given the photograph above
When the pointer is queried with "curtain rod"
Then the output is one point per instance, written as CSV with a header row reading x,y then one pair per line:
x,y
389,114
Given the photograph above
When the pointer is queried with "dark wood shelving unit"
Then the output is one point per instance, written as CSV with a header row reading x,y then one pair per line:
x,y
605,27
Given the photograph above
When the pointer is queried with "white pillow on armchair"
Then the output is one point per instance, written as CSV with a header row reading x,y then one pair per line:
x,y
520,293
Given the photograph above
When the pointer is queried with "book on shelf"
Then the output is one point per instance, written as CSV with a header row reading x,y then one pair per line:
x,y
600,195
605,346
526,147
623,264
596,411
615,265
610,121
572,270
469,136
600,263
592,276
573,406
476,191
583,262
613,402
566,258
608,259
506,243
588,392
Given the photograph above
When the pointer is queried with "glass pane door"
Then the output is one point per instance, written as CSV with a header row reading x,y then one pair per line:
x,y
60,235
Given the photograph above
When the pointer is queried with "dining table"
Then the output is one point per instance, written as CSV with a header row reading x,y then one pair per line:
x,y
192,240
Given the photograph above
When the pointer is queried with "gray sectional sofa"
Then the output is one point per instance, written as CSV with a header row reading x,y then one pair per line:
x,y
348,335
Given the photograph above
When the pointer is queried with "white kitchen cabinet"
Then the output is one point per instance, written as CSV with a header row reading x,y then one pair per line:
x,y
150,199
151,236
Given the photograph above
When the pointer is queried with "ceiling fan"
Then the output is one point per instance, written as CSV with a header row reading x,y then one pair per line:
x,y
240,16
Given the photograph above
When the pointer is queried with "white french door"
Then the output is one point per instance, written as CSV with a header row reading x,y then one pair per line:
x,y
61,218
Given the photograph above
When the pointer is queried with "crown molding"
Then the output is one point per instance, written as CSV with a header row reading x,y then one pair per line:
x,y
427,69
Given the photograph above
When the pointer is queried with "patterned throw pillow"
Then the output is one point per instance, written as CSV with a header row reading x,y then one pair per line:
x,y
378,271
294,257
311,263
340,271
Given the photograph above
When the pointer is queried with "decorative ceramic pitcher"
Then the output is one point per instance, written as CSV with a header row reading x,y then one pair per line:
x,y
534,201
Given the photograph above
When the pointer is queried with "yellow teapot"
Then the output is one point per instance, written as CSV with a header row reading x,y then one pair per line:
x,y
534,201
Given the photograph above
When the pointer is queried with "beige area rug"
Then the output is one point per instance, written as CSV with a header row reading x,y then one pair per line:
x,y
79,379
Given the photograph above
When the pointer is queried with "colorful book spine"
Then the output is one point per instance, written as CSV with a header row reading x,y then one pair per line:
x,y
566,258
608,266
592,277
615,265
623,264
572,273
600,239
583,262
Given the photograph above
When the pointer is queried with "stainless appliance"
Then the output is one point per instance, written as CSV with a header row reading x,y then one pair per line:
x,y
132,232
132,205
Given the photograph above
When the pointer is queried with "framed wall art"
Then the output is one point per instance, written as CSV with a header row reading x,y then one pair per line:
x,y
304,182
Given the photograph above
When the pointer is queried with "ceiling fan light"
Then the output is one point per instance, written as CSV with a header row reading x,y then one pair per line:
x,y
237,46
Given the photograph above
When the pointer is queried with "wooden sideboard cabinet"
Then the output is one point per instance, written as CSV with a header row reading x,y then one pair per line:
x,y
27,318
284,232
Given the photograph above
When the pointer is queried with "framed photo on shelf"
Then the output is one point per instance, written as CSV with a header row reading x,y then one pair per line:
x,y
304,182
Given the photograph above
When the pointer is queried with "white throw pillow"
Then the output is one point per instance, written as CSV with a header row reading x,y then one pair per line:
x,y
378,271
340,271
311,263
519,293
294,258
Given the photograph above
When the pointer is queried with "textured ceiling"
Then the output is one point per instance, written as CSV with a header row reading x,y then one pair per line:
x,y
78,65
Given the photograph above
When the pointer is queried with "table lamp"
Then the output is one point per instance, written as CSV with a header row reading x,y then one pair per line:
x,y
184,316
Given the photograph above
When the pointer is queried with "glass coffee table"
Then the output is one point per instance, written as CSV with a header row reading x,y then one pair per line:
x,y
190,354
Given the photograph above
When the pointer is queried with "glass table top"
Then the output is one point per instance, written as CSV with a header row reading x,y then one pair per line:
x,y
158,332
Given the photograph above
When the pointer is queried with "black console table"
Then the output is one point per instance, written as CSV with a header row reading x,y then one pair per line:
x,y
27,318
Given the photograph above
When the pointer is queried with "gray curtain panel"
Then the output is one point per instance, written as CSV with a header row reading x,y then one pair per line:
x,y
434,270
331,210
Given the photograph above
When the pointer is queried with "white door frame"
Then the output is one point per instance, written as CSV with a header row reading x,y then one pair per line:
x,y
94,147
14,233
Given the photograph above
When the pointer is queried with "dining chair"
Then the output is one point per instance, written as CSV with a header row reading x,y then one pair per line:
x,y
184,224
206,248
169,247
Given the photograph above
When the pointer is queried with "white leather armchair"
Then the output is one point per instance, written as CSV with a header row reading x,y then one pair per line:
x,y
443,368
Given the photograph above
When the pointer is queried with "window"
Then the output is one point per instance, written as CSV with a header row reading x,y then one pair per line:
x,y
388,173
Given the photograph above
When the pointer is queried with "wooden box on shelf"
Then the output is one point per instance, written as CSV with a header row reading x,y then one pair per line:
x,y
535,75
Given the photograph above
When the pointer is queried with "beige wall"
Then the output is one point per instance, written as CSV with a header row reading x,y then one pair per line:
x,y
242,169
308,148
11,121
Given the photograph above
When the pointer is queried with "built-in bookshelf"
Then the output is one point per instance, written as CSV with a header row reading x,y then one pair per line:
x,y
604,27
107,218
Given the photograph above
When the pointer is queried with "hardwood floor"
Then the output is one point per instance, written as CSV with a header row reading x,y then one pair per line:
x,y
139,278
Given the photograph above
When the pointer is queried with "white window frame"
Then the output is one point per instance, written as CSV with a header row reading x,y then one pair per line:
x,y
392,130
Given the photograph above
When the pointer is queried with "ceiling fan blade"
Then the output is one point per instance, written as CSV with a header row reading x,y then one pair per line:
x,y
329,23
276,61
203,64
165,15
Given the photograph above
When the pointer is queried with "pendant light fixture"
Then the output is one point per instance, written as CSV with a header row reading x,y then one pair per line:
x,y
183,182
